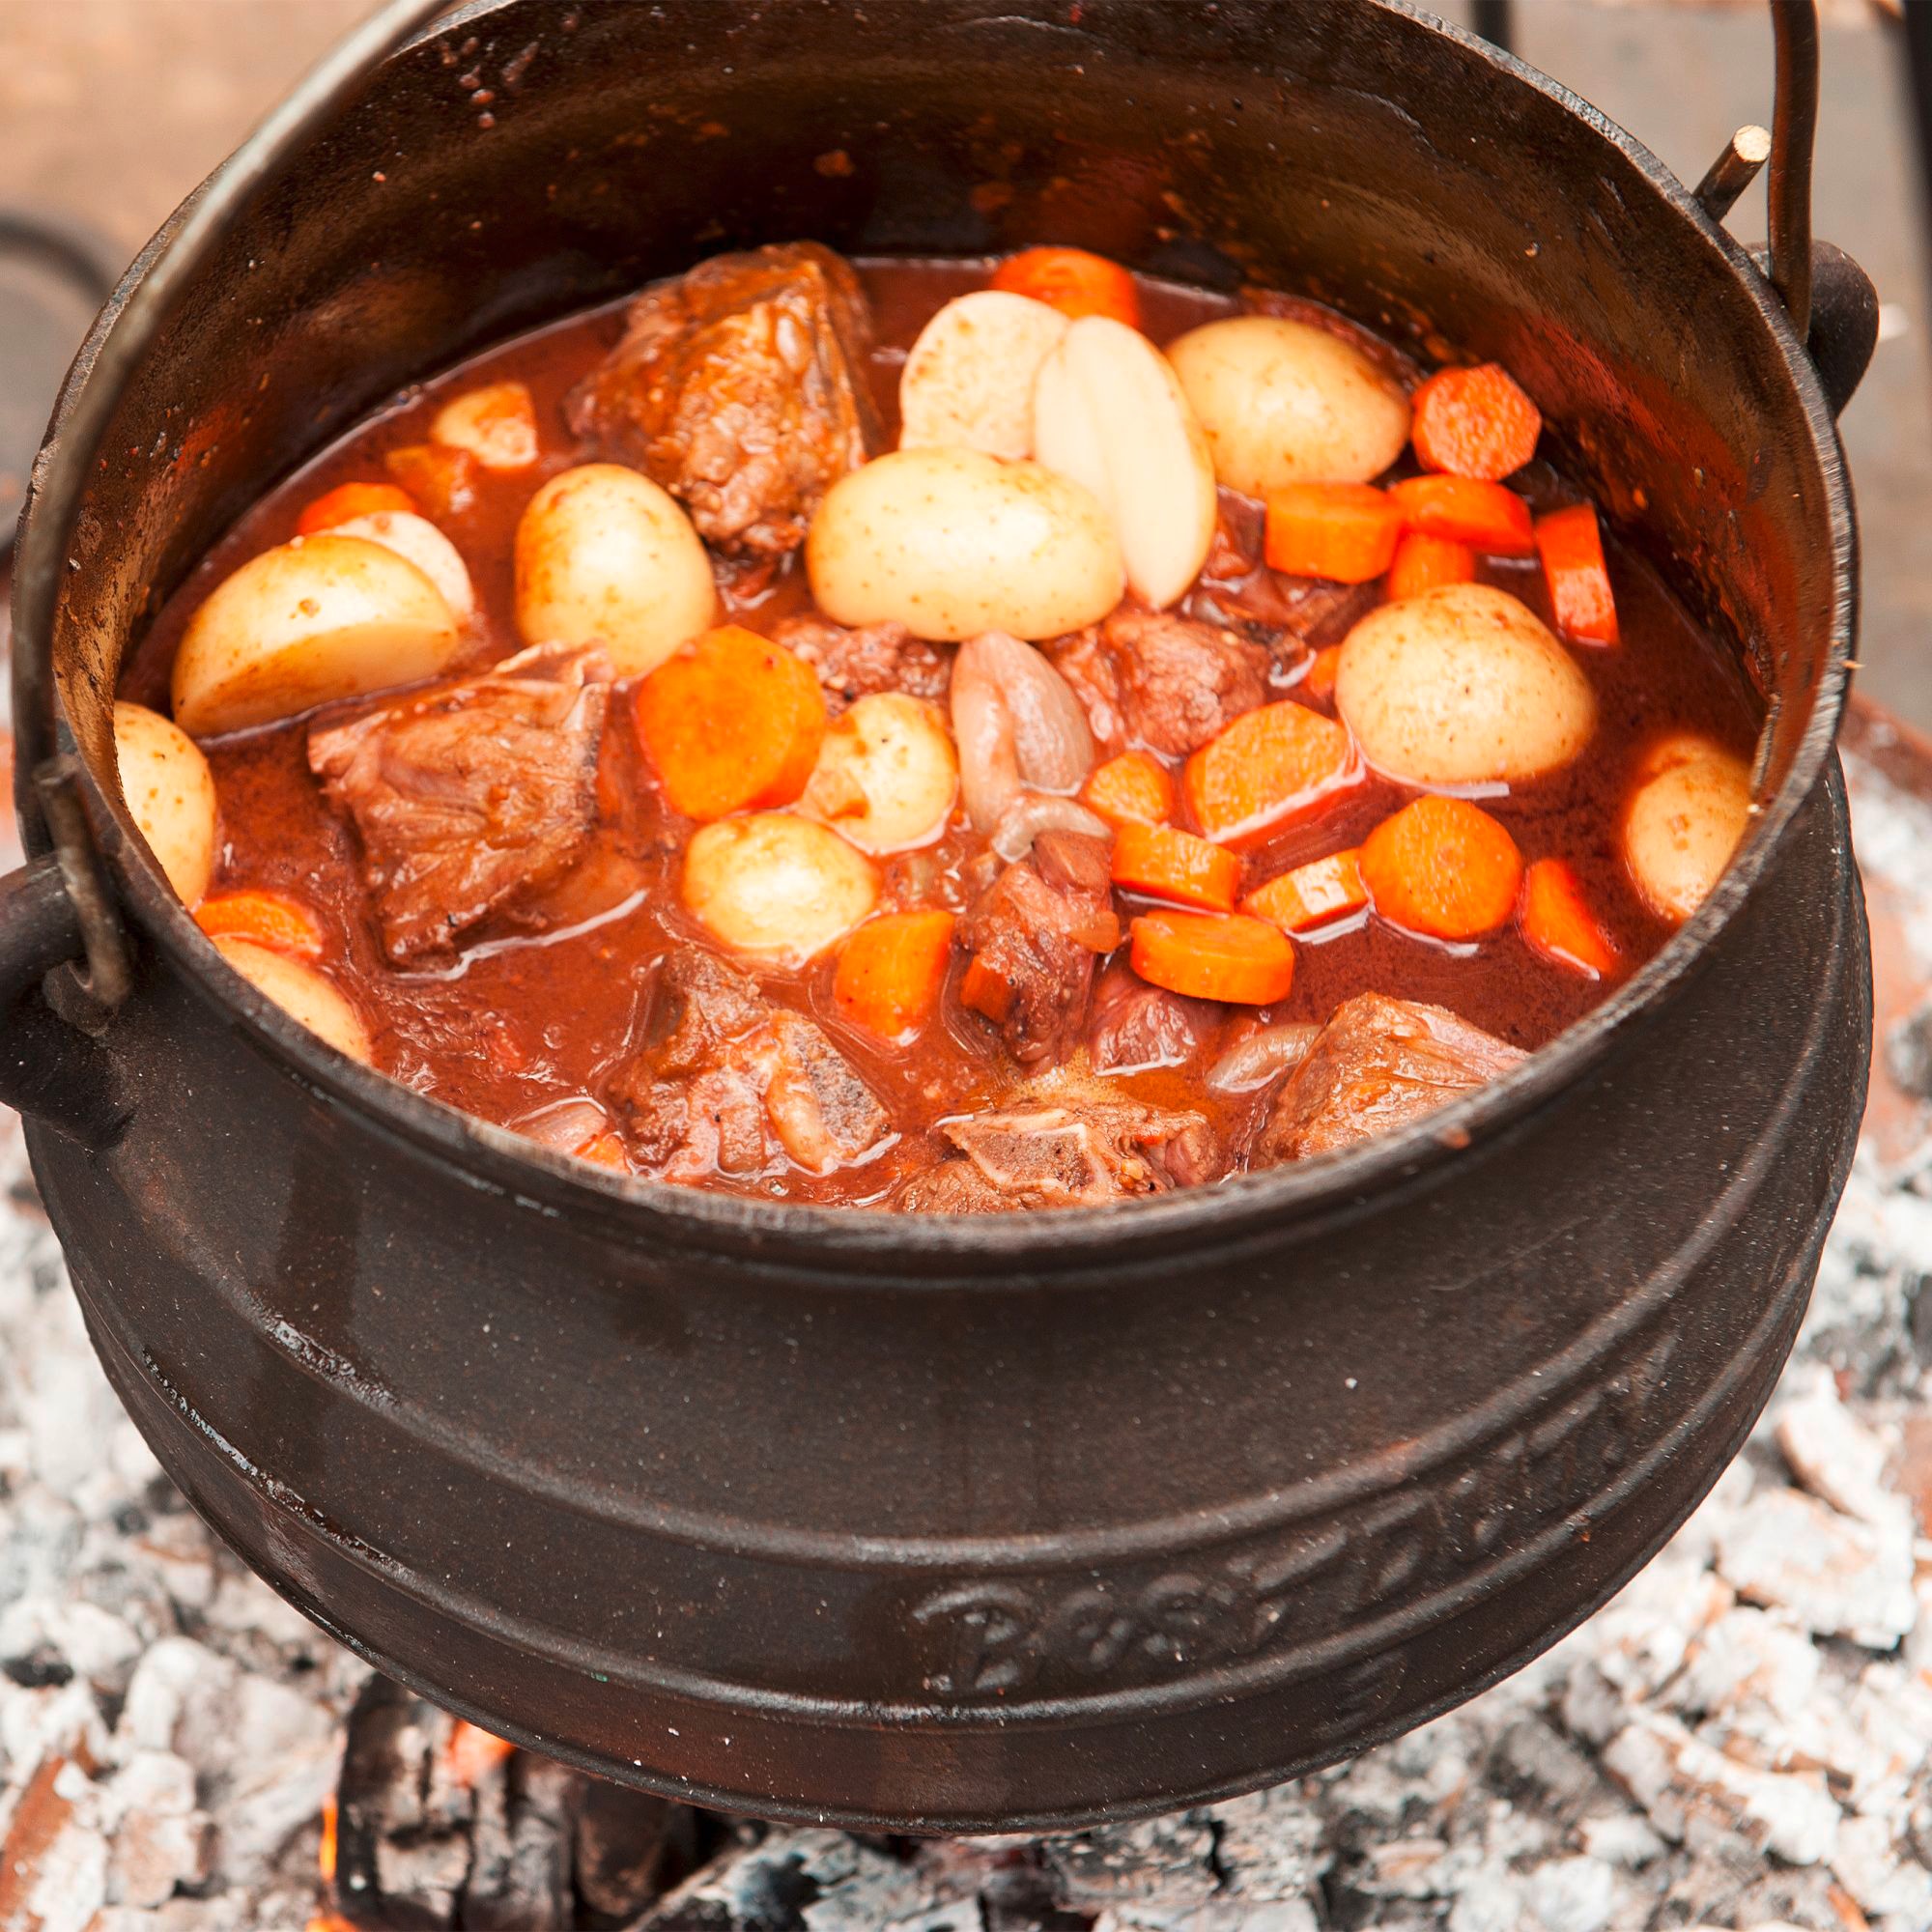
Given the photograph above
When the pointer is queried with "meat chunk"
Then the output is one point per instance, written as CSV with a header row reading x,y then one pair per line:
x,y
1137,1026
1032,936
741,389
1289,615
1376,1066
1074,1154
852,664
471,799
1151,678
720,1081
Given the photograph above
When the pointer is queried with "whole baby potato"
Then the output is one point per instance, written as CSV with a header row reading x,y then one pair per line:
x,y
1282,402
170,791
320,618
604,555
1682,823
887,775
968,379
1462,686
952,542
302,992
776,887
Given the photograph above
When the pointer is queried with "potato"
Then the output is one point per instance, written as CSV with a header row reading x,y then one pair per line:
x,y
1462,686
170,792
776,887
968,382
952,542
1282,402
302,992
323,617
887,775
497,424
604,555
420,542
1683,822
1109,413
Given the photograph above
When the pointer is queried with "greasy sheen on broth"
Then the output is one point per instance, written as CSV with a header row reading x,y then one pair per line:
x,y
519,1022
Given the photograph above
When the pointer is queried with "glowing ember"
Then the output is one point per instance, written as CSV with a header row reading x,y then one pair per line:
x,y
472,1751
326,1856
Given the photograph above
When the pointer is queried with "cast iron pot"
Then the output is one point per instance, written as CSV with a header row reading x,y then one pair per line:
x,y
932,1523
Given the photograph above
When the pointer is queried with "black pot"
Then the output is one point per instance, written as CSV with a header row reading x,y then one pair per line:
x,y
930,1523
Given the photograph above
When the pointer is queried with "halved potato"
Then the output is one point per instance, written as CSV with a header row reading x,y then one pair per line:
x,y
170,791
1686,817
497,424
302,992
968,382
886,776
604,555
776,887
418,541
320,618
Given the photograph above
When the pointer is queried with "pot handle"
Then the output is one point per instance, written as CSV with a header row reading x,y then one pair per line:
x,y
56,913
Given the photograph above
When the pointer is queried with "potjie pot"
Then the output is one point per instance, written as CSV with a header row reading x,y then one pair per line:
x,y
929,1523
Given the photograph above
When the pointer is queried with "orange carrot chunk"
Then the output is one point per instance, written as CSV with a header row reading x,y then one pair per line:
x,y
1557,922
1421,564
983,990
1311,895
1166,864
1133,789
268,919
1571,549
1474,422
1343,532
1318,680
891,971
731,722
1073,281
442,480
1214,956
1484,515
349,500
1443,867
1269,763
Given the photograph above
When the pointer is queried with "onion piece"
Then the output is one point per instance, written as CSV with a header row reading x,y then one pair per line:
x,y
1264,1055
1033,812
1019,724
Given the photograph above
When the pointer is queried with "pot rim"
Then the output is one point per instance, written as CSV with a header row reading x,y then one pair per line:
x,y
1042,1242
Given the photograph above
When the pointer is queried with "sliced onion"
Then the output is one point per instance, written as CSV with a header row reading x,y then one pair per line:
x,y
1264,1055
1033,812
1017,722
566,1126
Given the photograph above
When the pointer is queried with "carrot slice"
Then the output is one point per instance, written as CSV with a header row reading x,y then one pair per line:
x,y
1269,763
1133,789
1443,867
442,480
733,721
1214,956
1312,895
1557,922
1343,532
1483,515
1571,549
1073,281
266,919
1318,680
985,990
1167,863
891,971
1422,562
1474,422
349,500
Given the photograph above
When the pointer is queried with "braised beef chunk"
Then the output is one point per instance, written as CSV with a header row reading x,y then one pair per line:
x,y
472,798
852,664
720,1081
1064,1154
1138,1026
1376,1066
1032,937
1151,678
1290,615
741,389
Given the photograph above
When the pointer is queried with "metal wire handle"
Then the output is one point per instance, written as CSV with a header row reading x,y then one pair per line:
x,y
1794,134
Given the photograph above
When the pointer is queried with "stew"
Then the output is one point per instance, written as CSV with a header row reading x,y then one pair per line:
x,y
942,735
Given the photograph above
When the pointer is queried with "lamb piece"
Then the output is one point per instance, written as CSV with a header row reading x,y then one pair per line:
x,y
471,799
1289,615
741,389
1073,1155
720,1081
1032,936
1137,1026
1153,678
852,664
1376,1066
